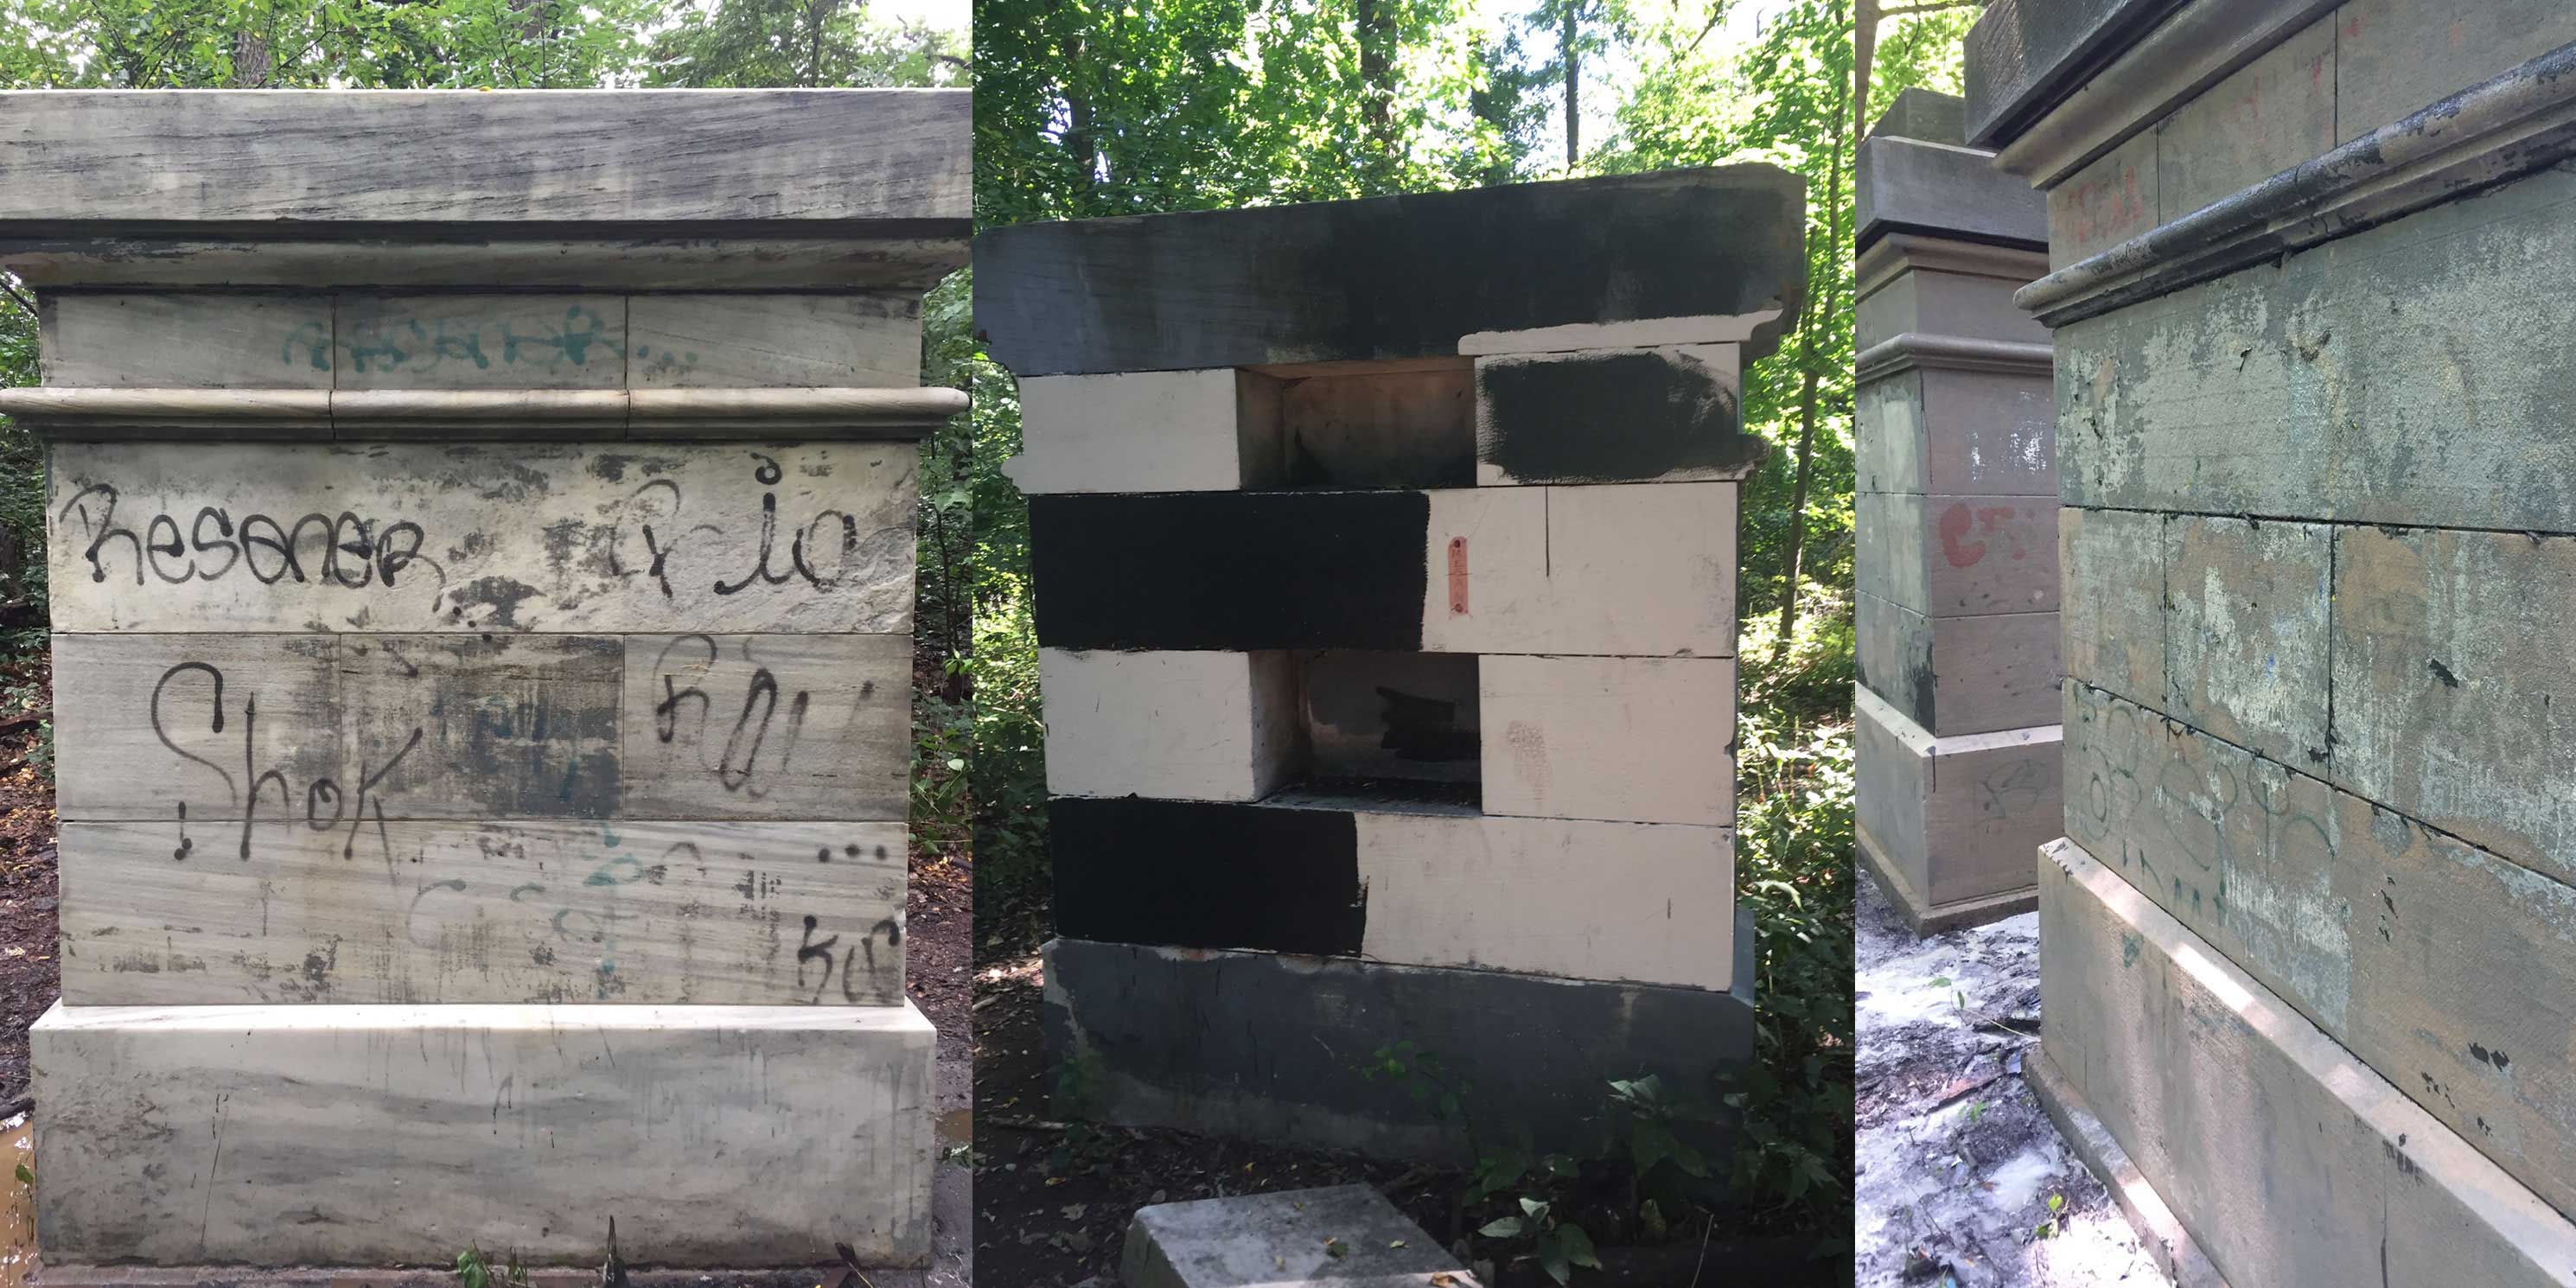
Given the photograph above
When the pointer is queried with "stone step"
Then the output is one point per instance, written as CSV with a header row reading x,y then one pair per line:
x,y
717,1136
1344,1236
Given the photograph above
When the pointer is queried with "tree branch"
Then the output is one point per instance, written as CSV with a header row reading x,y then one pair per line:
x,y
23,302
1935,6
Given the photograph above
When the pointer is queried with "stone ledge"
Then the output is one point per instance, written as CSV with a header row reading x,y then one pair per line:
x,y
1925,918
299,415
2162,1235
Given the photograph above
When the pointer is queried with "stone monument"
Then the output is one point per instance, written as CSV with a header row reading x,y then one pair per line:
x,y
2306,945
1957,755
1384,560
482,574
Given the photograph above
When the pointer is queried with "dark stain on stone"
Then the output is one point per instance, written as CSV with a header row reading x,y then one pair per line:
x,y
1419,728
500,595
2496,1060
2441,672
610,466
563,541
1610,418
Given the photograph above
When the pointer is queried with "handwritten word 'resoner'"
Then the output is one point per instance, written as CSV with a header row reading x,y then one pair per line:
x,y
351,551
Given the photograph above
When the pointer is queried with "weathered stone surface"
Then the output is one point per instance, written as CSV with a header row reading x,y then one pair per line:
x,y
366,1135
2393,58
2446,680
1927,114
860,339
1389,277
337,731
421,537
2231,1104
1959,675
625,912
476,342
1958,434
1203,726
2370,380
2264,118
1904,183
1348,1236
2246,646
133,339
1932,301
1165,1030
2104,204
1955,556
1956,817
2114,565
319,157
2022,52
1643,740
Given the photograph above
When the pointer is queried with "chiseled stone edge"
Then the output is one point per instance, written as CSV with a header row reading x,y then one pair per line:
x,y
1908,350
375,415
2512,124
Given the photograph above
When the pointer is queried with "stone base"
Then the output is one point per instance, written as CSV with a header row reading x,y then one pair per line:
x,y
1343,1236
1268,1046
1952,821
1925,918
2158,1230
2289,1162
717,1136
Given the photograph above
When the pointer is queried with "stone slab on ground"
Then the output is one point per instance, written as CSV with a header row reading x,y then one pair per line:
x,y
1345,1236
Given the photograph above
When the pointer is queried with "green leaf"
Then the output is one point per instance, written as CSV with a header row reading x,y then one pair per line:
x,y
1507,1227
1577,1245
25,1176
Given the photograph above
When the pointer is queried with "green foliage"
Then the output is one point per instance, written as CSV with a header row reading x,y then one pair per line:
x,y
277,44
475,1270
774,43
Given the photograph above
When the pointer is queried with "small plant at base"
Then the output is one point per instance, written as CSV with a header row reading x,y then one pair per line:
x,y
1560,1246
475,1270
2056,1222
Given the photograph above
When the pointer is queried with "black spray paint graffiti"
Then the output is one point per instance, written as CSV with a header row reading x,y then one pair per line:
x,y
319,792
346,550
739,767
813,950
822,551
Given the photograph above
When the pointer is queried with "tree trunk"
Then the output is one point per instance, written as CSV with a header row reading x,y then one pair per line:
x,y
252,61
1573,82
1377,81
1814,322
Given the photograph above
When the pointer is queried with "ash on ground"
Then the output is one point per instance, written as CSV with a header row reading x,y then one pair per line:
x,y
1963,1181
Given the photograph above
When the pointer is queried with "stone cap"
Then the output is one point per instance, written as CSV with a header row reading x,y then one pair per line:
x,y
2024,55
1904,184
1926,114
1395,277
253,187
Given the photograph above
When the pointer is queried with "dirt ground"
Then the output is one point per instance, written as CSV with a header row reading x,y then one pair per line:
x,y
1958,1165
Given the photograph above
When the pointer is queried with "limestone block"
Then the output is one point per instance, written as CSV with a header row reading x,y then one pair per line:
x,y
1400,881
454,537
1959,675
1347,1235
340,731
2113,609
2445,678
1165,1030
1621,571
2104,204
1644,740
1958,433
2231,1103
422,912
2370,379
481,342
2247,643
395,1135
2264,118
1174,725
227,341
864,339
2393,59
1148,431
1955,556
1954,819
766,726
1613,415
1932,301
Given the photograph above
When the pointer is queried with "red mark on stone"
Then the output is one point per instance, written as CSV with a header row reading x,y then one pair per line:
x,y
1956,522
1457,574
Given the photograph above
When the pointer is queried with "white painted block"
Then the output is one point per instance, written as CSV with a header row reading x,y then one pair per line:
x,y
717,1136
1171,725
625,912
1619,570
470,538
1150,431
1645,740
1581,899
1640,333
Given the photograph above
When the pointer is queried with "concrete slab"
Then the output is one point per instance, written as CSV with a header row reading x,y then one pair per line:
x,y
1345,1236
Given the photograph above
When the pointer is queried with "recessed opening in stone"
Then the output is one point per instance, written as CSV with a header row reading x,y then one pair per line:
x,y
1388,727
1409,424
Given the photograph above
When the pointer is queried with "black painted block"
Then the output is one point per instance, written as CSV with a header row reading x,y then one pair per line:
x,y
1610,417
1240,571
1207,874
1267,1047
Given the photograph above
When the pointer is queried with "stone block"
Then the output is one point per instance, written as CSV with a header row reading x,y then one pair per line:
x,y
1958,433
1163,1029
1347,1236
473,539
1953,819
1918,184
627,912
2393,59
1400,882
863,339
1148,431
2246,646
1642,740
289,1135
2109,201
1959,675
2113,612
1928,301
2232,1103
2262,119
480,342
1613,416
119,339
1178,726
1958,556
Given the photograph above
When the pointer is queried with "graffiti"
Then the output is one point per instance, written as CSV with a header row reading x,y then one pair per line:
x,y
318,791
347,549
738,766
